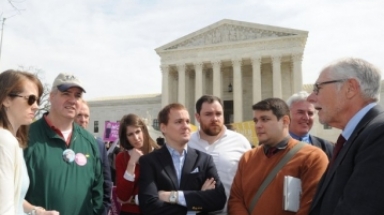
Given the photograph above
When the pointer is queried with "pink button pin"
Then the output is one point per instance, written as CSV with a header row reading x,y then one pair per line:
x,y
80,159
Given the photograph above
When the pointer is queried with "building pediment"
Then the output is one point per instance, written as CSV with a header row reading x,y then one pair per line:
x,y
229,31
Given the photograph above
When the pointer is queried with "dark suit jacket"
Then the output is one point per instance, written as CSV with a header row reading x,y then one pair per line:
x,y
325,145
107,185
158,173
353,185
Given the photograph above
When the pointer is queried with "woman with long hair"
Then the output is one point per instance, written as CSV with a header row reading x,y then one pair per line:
x,y
135,140
20,94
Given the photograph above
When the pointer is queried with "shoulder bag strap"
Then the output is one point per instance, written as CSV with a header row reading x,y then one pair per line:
x,y
273,173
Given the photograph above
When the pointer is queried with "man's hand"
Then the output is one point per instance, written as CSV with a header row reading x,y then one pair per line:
x,y
209,184
164,195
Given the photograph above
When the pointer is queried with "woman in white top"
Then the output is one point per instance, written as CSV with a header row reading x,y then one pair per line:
x,y
20,93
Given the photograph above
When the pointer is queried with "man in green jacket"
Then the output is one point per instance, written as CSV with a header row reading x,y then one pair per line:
x,y
62,158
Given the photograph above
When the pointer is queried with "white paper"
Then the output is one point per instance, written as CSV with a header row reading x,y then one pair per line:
x,y
292,193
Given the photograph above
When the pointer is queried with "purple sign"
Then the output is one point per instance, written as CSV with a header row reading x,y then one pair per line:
x,y
111,131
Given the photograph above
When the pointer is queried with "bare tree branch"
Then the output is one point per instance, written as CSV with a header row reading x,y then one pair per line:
x,y
12,3
45,105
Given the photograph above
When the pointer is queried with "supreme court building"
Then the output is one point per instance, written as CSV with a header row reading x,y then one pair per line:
x,y
240,62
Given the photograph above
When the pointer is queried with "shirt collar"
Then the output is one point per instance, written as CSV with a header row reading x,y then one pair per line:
x,y
58,131
173,151
281,145
304,138
352,123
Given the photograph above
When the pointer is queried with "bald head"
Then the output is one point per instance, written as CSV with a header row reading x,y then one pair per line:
x,y
82,117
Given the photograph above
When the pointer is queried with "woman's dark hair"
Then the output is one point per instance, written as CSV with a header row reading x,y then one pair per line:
x,y
133,120
12,82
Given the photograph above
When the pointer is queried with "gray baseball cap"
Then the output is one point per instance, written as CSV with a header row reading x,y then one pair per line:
x,y
64,81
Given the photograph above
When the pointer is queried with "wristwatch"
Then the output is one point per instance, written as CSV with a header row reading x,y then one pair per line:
x,y
173,197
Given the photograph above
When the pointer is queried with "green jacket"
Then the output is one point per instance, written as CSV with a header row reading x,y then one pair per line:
x,y
55,184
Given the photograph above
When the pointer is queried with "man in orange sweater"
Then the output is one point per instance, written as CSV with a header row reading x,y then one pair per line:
x,y
272,119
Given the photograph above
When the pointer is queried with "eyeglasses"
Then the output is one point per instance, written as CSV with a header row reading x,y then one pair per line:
x,y
316,86
31,98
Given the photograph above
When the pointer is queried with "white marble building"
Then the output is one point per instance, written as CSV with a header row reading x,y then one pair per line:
x,y
114,108
240,62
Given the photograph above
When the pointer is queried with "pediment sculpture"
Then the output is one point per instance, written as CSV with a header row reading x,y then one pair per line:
x,y
228,33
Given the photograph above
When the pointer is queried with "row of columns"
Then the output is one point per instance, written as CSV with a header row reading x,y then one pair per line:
x,y
237,81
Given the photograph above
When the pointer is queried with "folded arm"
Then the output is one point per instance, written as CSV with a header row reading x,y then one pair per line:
x,y
150,203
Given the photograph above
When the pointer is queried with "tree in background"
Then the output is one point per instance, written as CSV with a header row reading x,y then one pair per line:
x,y
45,105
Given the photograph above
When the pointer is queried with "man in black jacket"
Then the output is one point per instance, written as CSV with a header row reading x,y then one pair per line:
x,y
177,179
346,95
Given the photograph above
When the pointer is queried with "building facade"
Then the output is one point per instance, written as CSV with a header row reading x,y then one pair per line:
x,y
240,62
112,109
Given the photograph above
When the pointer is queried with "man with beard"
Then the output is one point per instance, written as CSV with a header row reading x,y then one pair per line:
x,y
302,117
225,146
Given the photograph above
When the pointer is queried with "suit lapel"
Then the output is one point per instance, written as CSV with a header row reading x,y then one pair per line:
x,y
189,164
331,170
166,161
315,141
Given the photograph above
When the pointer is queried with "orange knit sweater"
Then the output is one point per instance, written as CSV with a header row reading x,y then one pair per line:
x,y
308,164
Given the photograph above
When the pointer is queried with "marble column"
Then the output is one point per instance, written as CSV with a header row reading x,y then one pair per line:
x,y
198,80
217,85
237,91
181,88
276,74
165,85
297,79
256,79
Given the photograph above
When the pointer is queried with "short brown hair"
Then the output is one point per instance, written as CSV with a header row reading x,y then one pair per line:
x,y
163,115
12,82
133,120
207,98
278,107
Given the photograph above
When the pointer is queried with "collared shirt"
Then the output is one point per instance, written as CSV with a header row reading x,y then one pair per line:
x,y
306,138
280,146
58,131
178,162
352,123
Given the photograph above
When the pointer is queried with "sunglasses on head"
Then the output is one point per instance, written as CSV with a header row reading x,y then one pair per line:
x,y
31,99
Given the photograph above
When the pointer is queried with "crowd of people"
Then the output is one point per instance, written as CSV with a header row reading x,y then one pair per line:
x,y
53,165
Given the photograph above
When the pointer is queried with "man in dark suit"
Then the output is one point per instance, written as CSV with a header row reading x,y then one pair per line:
x,y
177,179
345,96
302,117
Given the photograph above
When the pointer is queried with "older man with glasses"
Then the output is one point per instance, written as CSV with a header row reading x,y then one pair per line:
x,y
346,95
